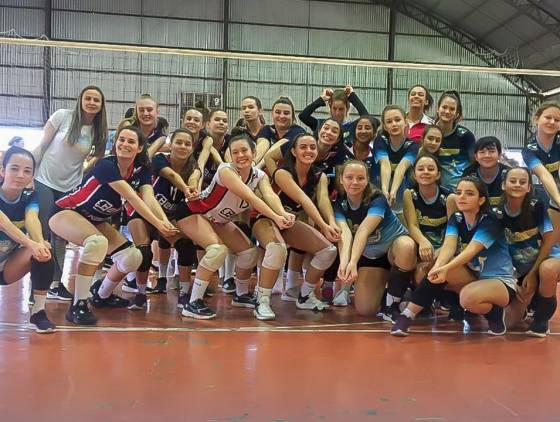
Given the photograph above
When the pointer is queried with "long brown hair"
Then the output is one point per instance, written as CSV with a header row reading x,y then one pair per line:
x,y
370,191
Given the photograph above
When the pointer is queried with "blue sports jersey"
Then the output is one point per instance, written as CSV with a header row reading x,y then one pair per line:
x,y
455,154
534,154
524,235
431,215
494,186
94,198
494,261
165,192
390,227
15,211
335,157
269,132
369,161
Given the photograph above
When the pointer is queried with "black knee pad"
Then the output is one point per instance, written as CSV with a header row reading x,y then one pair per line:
x,y
186,252
147,256
163,243
426,292
41,274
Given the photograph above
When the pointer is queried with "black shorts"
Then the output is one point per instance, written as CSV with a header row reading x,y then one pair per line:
x,y
183,211
381,262
511,293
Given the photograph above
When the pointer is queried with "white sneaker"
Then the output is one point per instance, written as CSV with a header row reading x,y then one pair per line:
x,y
290,295
311,302
341,298
263,311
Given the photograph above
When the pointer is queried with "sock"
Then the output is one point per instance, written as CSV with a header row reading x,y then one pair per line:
x,y
198,289
292,278
81,287
261,291
398,282
171,268
546,306
229,266
107,287
131,276
307,288
55,284
408,313
279,283
141,288
162,270
241,287
221,272
39,304
426,292
185,285
328,284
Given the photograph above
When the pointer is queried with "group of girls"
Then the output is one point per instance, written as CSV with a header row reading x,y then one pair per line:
x,y
447,222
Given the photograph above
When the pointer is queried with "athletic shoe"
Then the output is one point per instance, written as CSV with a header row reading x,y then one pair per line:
x,y
80,314
538,329
209,292
107,263
310,302
173,283
243,301
198,310
400,327
139,302
341,298
129,286
183,300
497,327
41,322
160,287
94,288
290,295
113,301
327,293
59,293
263,311
391,313
456,313
228,286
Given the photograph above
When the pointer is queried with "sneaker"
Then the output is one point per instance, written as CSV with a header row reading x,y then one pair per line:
x,y
263,311
107,263
400,327
113,301
228,286
59,293
95,286
139,302
41,322
538,329
198,310
342,298
183,300
497,327
129,286
392,313
456,313
243,301
209,292
310,302
173,283
327,294
290,295
80,314
159,288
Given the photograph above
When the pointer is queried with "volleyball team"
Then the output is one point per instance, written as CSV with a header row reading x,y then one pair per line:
x,y
400,216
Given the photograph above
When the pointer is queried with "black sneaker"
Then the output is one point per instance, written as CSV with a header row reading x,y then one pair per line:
x,y
497,325
129,286
400,327
198,310
209,292
95,286
160,287
139,302
107,263
228,285
538,329
243,301
113,301
183,300
59,293
456,313
80,314
41,322
392,313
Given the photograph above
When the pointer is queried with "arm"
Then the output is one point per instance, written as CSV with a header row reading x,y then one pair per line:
x,y
273,155
398,177
262,147
156,146
344,248
451,205
548,182
33,225
270,198
357,103
88,165
175,179
385,172
306,114
367,227
425,248
194,179
205,152
323,201
49,131
148,197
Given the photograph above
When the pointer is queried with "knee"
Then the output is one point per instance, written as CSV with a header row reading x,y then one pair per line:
x,y
247,259
186,252
467,299
128,259
549,271
94,249
147,257
275,255
214,256
324,258
404,251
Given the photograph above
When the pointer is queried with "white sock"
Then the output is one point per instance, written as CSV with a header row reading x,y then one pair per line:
x,y
106,288
392,299
131,276
408,313
81,287
185,285
39,304
261,291
307,288
221,272
198,289
229,266
292,278
55,284
162,269
141,288
279,283
241,287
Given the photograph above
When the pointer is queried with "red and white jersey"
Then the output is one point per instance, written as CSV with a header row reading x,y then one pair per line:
x,y
220,205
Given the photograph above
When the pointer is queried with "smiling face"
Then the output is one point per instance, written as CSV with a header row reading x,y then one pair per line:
x,y
487,157
193,121
218,123
147,112
432,140
364,131
329,133
305,150
517,183
127,145
394,123
426,171
354,179
18,172
282,116
249,110
181,146
417,97
92,101
241,154
447,110
549,121
467,197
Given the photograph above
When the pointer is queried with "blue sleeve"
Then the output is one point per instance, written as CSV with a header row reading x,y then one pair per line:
x,y
379,150
378,207
338,212
293,132
265,132
451,229
411,153
357,103
487,231
545,225
33,203
106,171
145,176
159,162
468,143
530,158
306,114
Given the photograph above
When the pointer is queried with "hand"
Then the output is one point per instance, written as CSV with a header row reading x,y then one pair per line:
x,y
348,90
386,195
425,250
350,274
290,217
438,275
392,198
167,229
326,94
331,233
527,290
282,222
191,194
40,251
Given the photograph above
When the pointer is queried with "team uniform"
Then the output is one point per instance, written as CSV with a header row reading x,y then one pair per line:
x,y
416,130
381,239
309,189
211,167
455,154
431,215
534,154
494,186
269,132
369,160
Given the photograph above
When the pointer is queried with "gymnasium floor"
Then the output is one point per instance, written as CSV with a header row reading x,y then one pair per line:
x,y
305,366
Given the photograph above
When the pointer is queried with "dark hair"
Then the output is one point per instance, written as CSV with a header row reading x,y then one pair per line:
x,y
15,150
454,95
191,164
480,144
482,190
141,158
287,101
374,121
129,113
526,215
15,140
385,110
240,134
370,191
255,99
214,111
290,160
201,107
426,154
429,98
427,128
340,133
339,95
99,124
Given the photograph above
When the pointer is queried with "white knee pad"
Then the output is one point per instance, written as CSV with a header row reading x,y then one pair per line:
x,y
95,249
214,257
275,255
128,259
247,259
324,258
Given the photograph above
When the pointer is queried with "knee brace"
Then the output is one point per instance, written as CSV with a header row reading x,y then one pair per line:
x,y
426,292
147,256
324,258
41,274
247,259
275,255
128,260
214,256
94,249
186,252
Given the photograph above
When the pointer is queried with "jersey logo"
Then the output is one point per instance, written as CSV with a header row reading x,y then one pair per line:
x,y
227,213
105,207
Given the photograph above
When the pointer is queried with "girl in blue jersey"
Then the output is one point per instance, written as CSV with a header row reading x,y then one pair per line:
x,y
214,146
482,272
531,244
84,220
486,167
373,245
419,102
431,140
394,154
153,127
21,254
457,147
208,222
363,134
175,178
